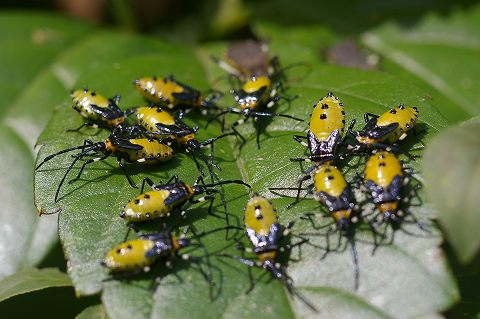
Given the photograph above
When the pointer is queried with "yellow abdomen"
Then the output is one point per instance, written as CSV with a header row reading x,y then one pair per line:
x,y
157,90
406,117
260,215
328,115
382,167
153,151
148,117
327,178
129,256
149,205
255,83
86,97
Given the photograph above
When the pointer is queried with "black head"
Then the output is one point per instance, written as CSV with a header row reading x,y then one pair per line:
x,y
270,266
184,242
194,144
391,216
343,224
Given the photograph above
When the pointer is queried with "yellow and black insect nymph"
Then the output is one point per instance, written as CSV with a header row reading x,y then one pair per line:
x,y
97,110
384,130
159,123
384,178
126,150
256,93
265,235
259,82
173,94
326,130
162,200
139,255
330,188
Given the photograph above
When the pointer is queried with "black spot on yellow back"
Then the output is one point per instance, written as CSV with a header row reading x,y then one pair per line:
x,y
323,116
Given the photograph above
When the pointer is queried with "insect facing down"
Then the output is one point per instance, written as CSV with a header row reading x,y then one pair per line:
x,y
265,235
330,188
384,180
141,150
334,193
97,110
255,94
264,232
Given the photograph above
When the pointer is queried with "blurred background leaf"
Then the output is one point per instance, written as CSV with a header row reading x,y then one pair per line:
x,y
31,279
440,54
27,52
454,192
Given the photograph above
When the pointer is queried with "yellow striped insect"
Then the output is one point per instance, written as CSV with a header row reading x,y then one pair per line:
x,y
170,93
384,178
162,200
139,255
326,130
259,81
265,235
140,150
254,95
330,188
385,130
159,123
97,110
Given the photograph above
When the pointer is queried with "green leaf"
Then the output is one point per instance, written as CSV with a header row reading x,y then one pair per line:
x,y
28,45
93,312
66,51
32,279
440,54
452,176
406,279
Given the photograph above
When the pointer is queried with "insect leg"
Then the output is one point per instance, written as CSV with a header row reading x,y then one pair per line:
x,y
122,166
85,164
